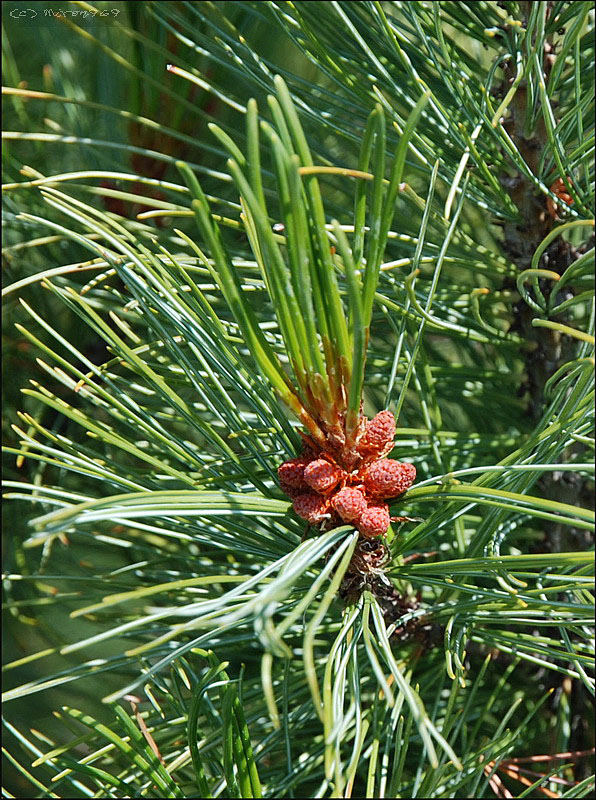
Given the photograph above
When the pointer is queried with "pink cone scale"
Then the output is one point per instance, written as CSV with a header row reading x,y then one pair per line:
x,y
375,521
349,503
322,476
388,478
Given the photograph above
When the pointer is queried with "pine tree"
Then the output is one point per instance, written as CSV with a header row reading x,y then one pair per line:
x,y
301,482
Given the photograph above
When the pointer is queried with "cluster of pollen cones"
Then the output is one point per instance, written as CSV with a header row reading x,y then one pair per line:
x,y
327,495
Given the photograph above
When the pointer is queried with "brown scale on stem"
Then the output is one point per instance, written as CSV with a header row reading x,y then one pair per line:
x,y
339,481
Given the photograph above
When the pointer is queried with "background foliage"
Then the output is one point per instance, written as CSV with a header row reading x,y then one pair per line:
x,y
151,560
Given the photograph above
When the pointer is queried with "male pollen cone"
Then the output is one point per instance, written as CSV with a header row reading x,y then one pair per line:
x,y
311,507
379,433
388,478
291,473
375,521
322,476
349,503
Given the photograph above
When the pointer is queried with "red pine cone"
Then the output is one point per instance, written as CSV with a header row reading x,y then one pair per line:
x,y
349,503
291,473
311,507
322,476
378,434
375,521
388,478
